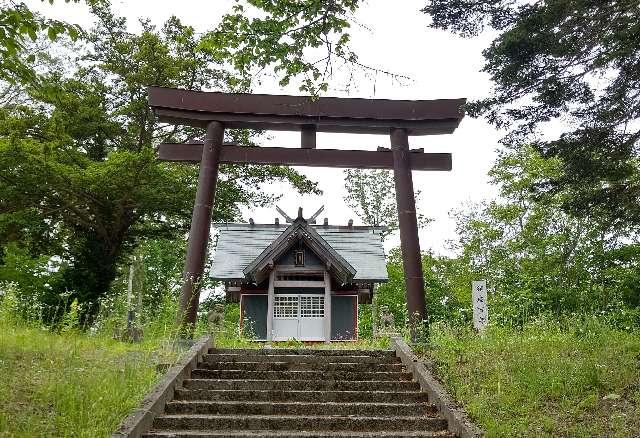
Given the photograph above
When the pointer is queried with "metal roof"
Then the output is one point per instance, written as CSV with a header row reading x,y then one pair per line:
x,y
240,244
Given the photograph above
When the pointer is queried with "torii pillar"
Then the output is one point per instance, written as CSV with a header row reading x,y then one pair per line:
x,y
200,226
408,223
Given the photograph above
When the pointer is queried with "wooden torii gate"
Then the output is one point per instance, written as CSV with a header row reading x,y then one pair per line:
x,y
215,111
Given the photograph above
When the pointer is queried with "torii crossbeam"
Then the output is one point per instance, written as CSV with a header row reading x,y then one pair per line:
x,y
217,111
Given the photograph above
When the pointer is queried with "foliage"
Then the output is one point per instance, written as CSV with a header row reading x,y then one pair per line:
x,y
365,321
295,38
575,378
33,274
576,63
447,290
230,335
156,287
371,194
79,180
18,26
536,258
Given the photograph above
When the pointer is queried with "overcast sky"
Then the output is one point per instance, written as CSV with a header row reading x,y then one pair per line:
x,y
393,36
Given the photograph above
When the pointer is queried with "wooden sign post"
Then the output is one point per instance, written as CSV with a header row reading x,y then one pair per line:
x,y
216,112
480,306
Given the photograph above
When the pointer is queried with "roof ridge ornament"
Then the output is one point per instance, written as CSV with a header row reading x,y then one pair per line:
x,y
300,217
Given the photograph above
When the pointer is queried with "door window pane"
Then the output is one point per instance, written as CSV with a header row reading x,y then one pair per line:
x,y
285,306
312,306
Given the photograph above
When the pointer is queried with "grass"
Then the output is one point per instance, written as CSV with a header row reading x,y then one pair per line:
x,y
574,379
69,384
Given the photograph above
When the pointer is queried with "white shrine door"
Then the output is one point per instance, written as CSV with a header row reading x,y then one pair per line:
x,y
297,316
311,321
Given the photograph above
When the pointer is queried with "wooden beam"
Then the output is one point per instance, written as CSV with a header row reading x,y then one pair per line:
x,y
327,307
305,157
297,283
293,123
200,227
326,114
409,241
270,302
305,106
308,137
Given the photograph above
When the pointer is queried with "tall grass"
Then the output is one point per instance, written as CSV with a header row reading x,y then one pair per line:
x,y
69,384
59,381
574,378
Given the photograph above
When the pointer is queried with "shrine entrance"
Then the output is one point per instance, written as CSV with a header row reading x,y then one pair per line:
x,y
299,317
215,112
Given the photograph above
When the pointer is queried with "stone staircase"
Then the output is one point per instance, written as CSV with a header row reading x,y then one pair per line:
x,y
299,393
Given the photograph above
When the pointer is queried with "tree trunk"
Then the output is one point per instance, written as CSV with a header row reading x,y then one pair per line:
x,y
87,278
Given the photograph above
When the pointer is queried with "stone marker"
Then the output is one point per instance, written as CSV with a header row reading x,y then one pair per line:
x,y
480,308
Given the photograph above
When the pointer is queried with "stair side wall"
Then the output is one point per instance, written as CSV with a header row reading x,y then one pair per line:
x,y
140,420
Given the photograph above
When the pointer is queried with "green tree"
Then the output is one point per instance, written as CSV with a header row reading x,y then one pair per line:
x,y
18,27
447,288
305,40
372,195
78,173
536,257
296,39
575,62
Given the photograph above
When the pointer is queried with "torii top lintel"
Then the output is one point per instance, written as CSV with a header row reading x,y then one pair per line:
x,y
292,113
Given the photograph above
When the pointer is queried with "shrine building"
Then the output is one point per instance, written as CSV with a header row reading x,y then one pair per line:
x,y
302,280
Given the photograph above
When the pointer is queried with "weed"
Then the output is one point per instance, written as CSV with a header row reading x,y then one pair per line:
x,y
71,384
547,379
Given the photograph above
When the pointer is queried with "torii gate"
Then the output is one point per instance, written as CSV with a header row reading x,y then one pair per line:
x,y
215,111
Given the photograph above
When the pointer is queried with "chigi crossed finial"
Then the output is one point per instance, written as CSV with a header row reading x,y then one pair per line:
x,y
311,220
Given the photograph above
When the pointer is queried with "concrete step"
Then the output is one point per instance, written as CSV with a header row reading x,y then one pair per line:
x,y
293,434
302,366
297,358
200,373
302,385
299,393
302,352
298,408
301,423
302,396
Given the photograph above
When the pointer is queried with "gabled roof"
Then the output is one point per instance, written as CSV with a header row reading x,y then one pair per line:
x,y
299,230
239,245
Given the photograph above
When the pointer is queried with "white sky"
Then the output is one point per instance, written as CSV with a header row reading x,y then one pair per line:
x,y
396,38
